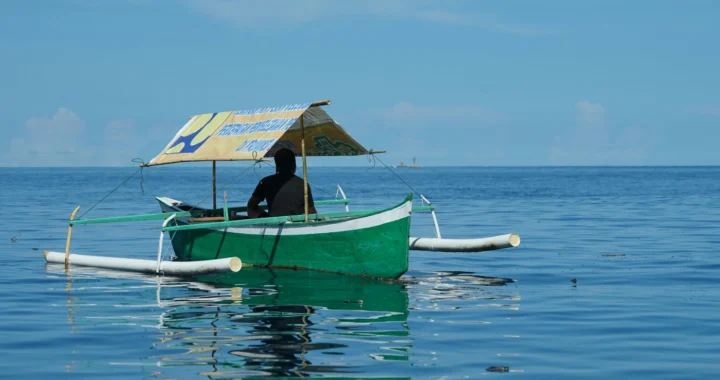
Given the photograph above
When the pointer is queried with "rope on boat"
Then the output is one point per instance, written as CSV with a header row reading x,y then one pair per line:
x,y
374,157
371,158
142,179
142,166
225,184
164,254
117,187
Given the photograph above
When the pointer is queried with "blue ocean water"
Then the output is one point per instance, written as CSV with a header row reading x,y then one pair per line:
x,y
641,243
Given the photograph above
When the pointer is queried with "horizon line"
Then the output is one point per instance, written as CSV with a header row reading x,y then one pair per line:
x,y
408,168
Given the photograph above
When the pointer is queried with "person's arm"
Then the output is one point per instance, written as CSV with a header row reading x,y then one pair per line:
x,y
311,203
253,204
253,207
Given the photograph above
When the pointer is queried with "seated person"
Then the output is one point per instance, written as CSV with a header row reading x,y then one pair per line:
x,y
283,190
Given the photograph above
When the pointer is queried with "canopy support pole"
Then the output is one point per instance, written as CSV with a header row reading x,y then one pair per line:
x,y
214,187
69,235
304,164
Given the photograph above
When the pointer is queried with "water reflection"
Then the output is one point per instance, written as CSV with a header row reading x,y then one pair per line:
x,y
284,317
457,288
261,322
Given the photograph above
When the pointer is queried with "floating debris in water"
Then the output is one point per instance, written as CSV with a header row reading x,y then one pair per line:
x,y
498,369
14,239
613,255
574,280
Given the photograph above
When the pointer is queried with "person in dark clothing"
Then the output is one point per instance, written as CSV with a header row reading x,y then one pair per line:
x,y
284,191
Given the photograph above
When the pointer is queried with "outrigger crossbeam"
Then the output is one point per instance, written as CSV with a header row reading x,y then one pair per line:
x,y
184,214
367,242
419,244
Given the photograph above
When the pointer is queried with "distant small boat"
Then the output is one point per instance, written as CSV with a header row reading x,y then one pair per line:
x,y
413,166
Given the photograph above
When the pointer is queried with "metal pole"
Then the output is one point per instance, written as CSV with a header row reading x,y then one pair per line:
x,y
304,163
432,212
214,188
347,208
160,242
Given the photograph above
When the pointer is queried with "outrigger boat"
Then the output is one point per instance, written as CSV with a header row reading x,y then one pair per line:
x,y
373,243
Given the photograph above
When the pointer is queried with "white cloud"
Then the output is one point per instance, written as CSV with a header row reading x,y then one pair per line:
x,y
589,113
593,141
53,141
62,140
271,13
461,134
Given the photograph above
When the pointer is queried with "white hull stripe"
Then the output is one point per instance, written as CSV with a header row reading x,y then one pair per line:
x,y
392,215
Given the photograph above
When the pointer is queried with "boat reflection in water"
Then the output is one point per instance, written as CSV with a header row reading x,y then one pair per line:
x,y
300,322
261,322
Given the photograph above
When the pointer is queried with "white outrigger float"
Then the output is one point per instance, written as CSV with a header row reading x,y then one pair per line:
x,y
372,243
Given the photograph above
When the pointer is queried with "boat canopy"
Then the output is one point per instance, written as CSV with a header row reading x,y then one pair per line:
x,y
251,135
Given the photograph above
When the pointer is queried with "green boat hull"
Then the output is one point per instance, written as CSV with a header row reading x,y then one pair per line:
x,y
375,245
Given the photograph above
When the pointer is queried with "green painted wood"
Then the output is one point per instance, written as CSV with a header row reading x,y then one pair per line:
x,y
284,219
184,214
424,208
379,251
133,218
273,220
179,214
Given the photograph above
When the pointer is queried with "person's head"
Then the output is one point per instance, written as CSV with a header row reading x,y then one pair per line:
x,y
285,161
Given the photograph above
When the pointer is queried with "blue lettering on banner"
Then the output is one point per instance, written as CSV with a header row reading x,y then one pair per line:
x,y
289,107
272,125
257,145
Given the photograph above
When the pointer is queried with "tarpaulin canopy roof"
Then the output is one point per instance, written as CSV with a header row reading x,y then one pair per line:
x,y
251,135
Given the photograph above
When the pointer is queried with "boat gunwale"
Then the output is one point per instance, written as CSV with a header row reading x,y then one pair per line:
x,y
200,212
296,221
195,212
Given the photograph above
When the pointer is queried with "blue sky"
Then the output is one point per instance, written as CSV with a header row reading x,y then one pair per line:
x,y
88,83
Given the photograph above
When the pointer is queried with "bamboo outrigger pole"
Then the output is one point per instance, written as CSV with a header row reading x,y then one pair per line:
x,y
304,163
69,235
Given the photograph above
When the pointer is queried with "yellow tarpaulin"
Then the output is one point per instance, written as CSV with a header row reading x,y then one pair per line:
x,y
254,134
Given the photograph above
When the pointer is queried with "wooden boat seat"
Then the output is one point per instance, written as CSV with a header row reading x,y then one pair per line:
x,y
186,207
207,219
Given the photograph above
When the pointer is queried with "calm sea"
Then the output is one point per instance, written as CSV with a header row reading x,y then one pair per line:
x,y
643,245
